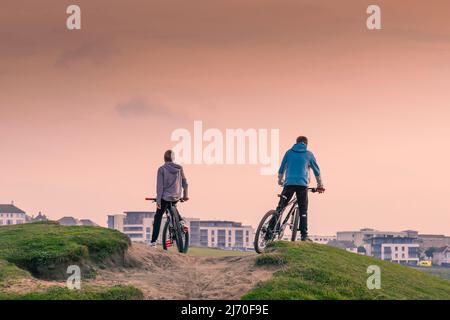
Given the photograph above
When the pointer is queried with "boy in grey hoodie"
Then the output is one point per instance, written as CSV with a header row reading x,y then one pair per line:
x,y
171,186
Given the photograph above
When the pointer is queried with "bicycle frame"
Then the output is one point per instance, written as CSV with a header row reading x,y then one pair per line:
x,y
294,205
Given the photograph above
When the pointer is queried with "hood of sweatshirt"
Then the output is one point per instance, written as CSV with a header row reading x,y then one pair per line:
x,y
172,167
299,147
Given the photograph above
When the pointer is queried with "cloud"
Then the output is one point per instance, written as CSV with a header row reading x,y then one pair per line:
x,y
96,52
139,107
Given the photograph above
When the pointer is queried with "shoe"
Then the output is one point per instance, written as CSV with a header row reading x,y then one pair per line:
x,y
153,244
306,239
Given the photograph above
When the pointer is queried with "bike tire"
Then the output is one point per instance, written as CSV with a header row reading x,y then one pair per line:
x,y
186,242
178,233
296,225
258,231
165,235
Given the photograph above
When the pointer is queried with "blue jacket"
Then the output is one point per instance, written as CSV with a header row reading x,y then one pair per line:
x,y
296,163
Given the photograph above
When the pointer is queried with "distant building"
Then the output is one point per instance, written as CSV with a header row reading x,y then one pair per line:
x,y
71,221
10,214
138,226
342,244
399,249
441,257
39,217
221,234
433,241
359,237
88,222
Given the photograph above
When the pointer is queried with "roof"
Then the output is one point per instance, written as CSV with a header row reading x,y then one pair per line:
x,y
10,208
88,222
443,249
71,221
342,244
432,236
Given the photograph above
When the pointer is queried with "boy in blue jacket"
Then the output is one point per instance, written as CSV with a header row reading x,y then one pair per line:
x,y
294,177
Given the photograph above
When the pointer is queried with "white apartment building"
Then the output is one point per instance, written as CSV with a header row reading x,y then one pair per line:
x,y
10,214
360,237
229,235
138,226
403,250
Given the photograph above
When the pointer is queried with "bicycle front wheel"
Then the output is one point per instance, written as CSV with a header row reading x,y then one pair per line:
x,y
265,233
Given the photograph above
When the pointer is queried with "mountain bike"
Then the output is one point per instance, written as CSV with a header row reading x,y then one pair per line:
x,y
273,225
173,229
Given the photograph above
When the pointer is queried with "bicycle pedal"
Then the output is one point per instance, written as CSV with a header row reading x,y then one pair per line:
x,y
169,243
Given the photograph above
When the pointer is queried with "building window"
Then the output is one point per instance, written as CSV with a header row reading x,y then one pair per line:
x,y
204,237
132,228
239,238
221,236
135,235
147,229
212,232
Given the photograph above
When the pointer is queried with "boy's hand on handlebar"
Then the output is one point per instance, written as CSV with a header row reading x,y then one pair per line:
x,y
320,189
158,205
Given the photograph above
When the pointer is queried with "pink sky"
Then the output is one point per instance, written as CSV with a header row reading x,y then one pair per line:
x,y
374,104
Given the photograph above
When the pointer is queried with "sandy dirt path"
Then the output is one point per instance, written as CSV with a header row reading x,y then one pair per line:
x,y
162,275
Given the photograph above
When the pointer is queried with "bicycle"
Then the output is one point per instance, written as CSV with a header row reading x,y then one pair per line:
x,y
265,236
173,229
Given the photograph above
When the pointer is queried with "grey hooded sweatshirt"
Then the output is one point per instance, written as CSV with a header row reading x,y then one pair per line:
x,y
169,183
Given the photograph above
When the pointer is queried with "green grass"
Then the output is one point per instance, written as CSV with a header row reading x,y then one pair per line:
x,y
46,249
89,293
314,271
211,252
10,273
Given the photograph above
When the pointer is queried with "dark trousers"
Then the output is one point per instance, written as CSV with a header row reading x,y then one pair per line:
x,y
302,198
158,218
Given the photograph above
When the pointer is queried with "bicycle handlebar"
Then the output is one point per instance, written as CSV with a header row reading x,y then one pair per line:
x,y
154,199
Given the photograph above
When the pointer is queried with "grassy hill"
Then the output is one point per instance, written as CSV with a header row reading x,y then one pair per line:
x,y
44,250
313,271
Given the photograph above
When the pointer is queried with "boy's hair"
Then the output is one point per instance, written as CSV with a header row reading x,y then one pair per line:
x,y
302,139
168,156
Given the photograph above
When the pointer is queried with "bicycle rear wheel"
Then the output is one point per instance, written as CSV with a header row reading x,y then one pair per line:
x,y
168,238
264,235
